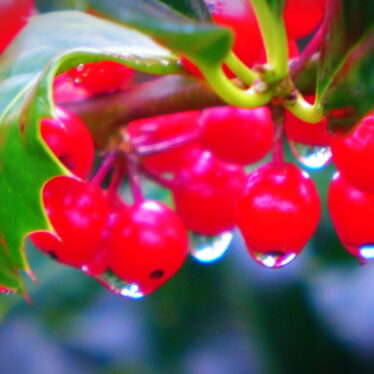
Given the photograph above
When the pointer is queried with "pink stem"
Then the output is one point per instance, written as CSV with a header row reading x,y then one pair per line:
x,y
167,145
298,65
117,177
277,113
105,167
159,179
134,180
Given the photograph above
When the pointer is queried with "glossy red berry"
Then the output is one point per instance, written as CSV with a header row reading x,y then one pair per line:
x,y
13,16
78,212
315,134
236,135
68,138
353,154
277,213
240,18
352,213
147,245
99,263
205,193
90,79
302,17
161,129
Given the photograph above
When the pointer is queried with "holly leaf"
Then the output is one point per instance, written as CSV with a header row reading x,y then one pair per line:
x,y
200,42
52,43
346,72
195,9
52,5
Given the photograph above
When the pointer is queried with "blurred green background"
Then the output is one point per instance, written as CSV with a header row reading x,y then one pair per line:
x,y
231,316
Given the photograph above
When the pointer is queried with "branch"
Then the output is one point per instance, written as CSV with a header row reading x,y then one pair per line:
x,y
170,94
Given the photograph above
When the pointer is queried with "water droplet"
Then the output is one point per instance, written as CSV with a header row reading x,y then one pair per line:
x,y
313,157
364,252
80,67
209,248
77,80
118,286
274,259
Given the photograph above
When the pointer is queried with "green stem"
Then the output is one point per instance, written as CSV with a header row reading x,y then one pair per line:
x,y
311,113
274,36
242,71
257,95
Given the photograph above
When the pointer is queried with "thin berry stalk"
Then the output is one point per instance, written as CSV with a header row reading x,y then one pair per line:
x,y
313,46
277,114
167,145
105,167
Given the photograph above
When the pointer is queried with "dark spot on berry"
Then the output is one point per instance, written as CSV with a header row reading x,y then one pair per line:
x,y
157,274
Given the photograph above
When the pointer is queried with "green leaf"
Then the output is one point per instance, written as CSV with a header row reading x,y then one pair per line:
x,y
199,41
191,8
50,44
345,72
52,5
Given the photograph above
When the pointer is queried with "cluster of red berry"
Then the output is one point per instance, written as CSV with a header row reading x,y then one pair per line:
x,y
200,157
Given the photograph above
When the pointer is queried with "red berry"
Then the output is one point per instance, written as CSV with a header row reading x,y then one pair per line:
x,y
236,135
78,212
147,245
278,213
205,193
69,139
353,154
90,79
99,263
239,16
315,134
302,17
163,128
352,213
13,16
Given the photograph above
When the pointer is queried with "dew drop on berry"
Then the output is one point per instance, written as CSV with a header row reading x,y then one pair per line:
x,y
367,251
80,67
273,259
364,252
313,157
210,248
118,286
